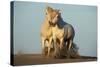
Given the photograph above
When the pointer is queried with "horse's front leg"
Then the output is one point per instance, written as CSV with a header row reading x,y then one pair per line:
x,y
55,46
49,46
43,45
61,43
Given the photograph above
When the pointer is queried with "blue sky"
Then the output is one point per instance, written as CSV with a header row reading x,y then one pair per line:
x,y
28,17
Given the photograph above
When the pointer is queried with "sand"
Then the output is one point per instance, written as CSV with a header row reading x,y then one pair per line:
x,y
34,59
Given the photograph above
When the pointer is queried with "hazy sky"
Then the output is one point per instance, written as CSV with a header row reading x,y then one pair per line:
x,y
28,17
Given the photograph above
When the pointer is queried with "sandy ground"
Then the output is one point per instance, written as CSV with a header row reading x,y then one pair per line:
x,y
33,59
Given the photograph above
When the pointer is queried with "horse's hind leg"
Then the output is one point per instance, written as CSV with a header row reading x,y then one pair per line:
x,y
70,44
69,48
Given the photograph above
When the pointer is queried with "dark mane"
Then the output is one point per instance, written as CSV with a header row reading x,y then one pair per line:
x,y
61,22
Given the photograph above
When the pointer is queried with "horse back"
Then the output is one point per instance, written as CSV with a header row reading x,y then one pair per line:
x,y
69,31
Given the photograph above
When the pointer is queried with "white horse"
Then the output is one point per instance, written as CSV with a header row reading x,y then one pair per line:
x,y
46,32
61,30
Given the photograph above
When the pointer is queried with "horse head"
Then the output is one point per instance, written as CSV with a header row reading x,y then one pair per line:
x,y
52,15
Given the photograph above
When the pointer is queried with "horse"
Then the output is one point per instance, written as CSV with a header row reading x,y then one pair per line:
x,y
61,31
46,33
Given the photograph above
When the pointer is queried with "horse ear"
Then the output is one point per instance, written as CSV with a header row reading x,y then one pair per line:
x,y
48,8
46,11
58,11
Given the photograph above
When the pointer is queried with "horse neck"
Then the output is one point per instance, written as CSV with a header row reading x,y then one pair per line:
x,y
60,23
46,23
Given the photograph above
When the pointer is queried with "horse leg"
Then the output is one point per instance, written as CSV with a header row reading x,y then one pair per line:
x,y
70,44
61,43
55,46
49,46
43,46
69,47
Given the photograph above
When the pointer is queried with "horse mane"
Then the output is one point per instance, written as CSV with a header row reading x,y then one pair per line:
x,y
61,23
